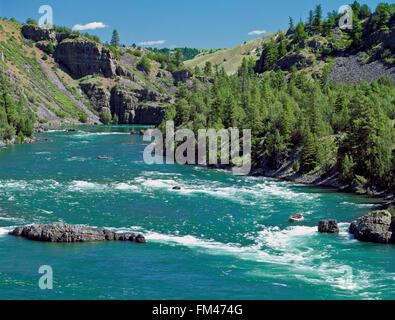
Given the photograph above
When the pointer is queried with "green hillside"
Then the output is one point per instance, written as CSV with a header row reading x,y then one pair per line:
x,y
231,59
305,125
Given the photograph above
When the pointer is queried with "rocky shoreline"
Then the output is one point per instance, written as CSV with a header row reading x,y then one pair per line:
x,y
328,180
65,233
4,144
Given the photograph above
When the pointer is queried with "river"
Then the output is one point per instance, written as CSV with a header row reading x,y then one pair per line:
x,y
219,237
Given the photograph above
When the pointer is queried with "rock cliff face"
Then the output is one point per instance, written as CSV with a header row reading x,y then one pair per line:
x,y
138,106
187,77
84,58
132,106
65,233
113,85
36,33
377,226
299,60
387,38
80,56
99,96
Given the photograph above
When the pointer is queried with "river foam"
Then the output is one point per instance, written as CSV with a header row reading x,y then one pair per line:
x,y
5,231
292,253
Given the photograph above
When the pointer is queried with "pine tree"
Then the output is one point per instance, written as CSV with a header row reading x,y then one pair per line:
x,y
208,69
291,24
381,17
300,33
329,24
179,58
356,33
311,18
286,124
183,110
276,149
309,159
356,8
115,41
364,12
347,168
197,71
317,22
282,49
270,50
235,114
369,141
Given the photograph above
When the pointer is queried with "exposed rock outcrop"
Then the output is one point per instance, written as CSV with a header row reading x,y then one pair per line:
x,y
387,38
132,106
138,106
328,226
183,76
99,96
377,226
112,85
299,60
82,58
37,33
187,77
59,232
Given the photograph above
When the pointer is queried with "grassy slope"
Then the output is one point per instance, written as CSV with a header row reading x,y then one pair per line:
x,y
231,58
24,65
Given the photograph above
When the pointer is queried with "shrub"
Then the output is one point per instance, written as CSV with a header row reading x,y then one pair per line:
x,y
144,65
106,117
83,117
296,166
51,48
115,119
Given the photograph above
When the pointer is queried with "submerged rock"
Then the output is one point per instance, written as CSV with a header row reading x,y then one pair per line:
x,y
65,233
328,226
377,226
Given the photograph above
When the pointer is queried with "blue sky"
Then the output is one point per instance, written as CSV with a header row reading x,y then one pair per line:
x,y
179,23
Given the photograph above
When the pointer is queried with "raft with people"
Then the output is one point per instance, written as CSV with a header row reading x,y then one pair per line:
x,y
296,218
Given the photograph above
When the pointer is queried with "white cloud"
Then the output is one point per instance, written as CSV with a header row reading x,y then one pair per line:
x,y
257,32
151,43
89,26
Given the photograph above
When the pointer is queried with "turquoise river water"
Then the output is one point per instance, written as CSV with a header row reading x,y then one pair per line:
x,y
220,237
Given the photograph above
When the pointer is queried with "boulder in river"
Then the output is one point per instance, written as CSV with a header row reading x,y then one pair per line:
x,y
377,226
328,226
65,233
